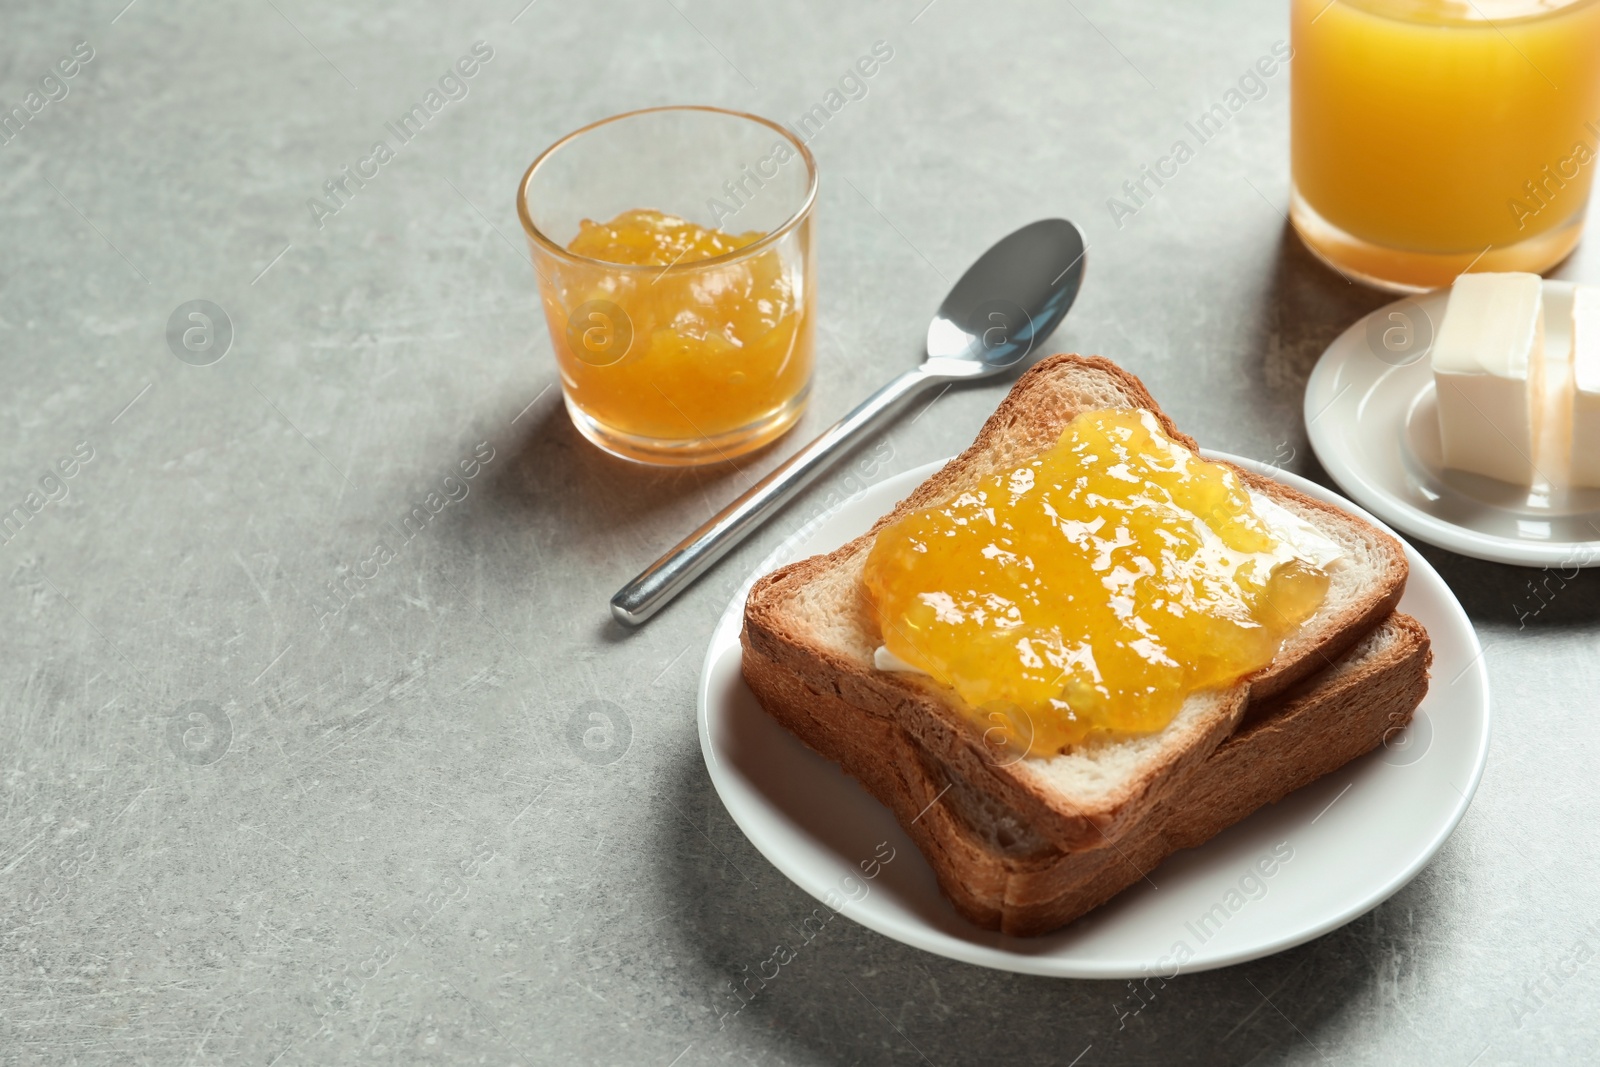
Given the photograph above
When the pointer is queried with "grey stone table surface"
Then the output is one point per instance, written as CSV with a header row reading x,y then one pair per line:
x,y
243,821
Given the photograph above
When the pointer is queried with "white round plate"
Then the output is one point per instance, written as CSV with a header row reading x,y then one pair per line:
x,y
1356,836
1373,420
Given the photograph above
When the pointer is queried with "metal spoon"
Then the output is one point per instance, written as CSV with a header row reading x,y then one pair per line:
x,y
1006,302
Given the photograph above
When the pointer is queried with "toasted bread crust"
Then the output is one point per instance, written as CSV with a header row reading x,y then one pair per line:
x,y
1027,887
1028,421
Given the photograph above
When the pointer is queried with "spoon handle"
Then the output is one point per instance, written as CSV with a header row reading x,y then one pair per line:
x,y
672,573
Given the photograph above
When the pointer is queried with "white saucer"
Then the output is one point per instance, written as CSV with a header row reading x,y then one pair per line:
x,y
1357,835
1373,421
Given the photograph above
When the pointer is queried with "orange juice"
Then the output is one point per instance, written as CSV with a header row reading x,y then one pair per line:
x,y
1430,136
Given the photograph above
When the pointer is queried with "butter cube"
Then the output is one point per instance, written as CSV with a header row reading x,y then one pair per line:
x,y
1586,386
1488,370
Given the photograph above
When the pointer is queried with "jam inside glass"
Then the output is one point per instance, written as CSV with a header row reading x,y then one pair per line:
x,y
672,248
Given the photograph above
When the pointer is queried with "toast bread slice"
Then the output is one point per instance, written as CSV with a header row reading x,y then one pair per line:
x,y
812,618
1001,875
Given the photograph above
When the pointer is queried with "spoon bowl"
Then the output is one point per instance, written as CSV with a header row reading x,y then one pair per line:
x,y
1012,297
1007,302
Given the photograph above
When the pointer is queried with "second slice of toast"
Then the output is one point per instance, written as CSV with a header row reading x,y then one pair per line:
x,y
812,620
1001,875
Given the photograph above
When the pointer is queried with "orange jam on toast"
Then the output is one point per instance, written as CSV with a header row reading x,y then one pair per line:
x,y
1087,592
710,351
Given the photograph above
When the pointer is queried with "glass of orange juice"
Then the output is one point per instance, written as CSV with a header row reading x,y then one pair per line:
x,y
1430,137
673,253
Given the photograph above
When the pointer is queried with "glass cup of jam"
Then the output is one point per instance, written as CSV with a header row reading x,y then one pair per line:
x,y
672,248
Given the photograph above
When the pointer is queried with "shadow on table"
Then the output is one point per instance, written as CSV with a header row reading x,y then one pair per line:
x,y
1305,307
610,515
551,473
849,990
1530,599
